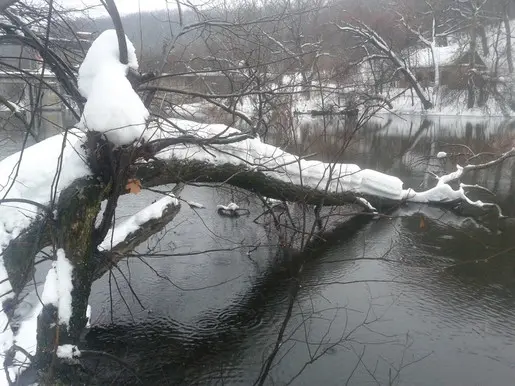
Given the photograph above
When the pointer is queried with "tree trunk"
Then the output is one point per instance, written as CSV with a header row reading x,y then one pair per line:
x,y
484,39
436,87
471,99
78,206
507,29
418,90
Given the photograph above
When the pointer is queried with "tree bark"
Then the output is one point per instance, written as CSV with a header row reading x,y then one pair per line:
x,y
19,255
194,171
78,208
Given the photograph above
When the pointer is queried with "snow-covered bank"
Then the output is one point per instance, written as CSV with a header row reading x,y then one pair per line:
x,y
401,102
451,103
404,102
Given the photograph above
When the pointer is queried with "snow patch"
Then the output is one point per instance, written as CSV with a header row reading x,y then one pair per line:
x,y
28,174
194,204
367,204
68,351
231,206
58,287
64,280
441,154
88,315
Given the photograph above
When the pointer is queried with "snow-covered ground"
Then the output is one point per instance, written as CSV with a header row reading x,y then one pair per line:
x,y
452,103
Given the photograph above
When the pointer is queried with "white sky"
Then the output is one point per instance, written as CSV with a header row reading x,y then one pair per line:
x,y
124,6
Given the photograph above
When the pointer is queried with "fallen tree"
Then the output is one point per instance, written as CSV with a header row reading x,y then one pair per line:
x,y
52,195
213,154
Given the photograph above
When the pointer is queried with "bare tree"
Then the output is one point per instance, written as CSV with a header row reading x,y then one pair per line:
x,y
440,29
369,36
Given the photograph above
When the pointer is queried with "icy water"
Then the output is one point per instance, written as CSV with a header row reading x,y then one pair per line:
x,y
401,301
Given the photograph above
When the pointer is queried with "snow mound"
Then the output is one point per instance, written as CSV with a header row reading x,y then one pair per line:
x,y
103,50
113,107
196,205
231,206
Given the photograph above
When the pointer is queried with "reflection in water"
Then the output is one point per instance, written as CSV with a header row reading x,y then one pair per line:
x,y
419,298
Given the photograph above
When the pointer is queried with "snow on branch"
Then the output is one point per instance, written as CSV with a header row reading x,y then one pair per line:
x,y
113,107
289,177
134,231
124,232
461,170
278,164
26,180
68,351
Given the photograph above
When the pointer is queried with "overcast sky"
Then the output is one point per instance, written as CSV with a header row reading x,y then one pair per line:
x,y
124,6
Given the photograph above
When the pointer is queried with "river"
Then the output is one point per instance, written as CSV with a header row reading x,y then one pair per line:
x,y
400,301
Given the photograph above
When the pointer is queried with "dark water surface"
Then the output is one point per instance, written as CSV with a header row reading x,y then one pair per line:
x,y
400,301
